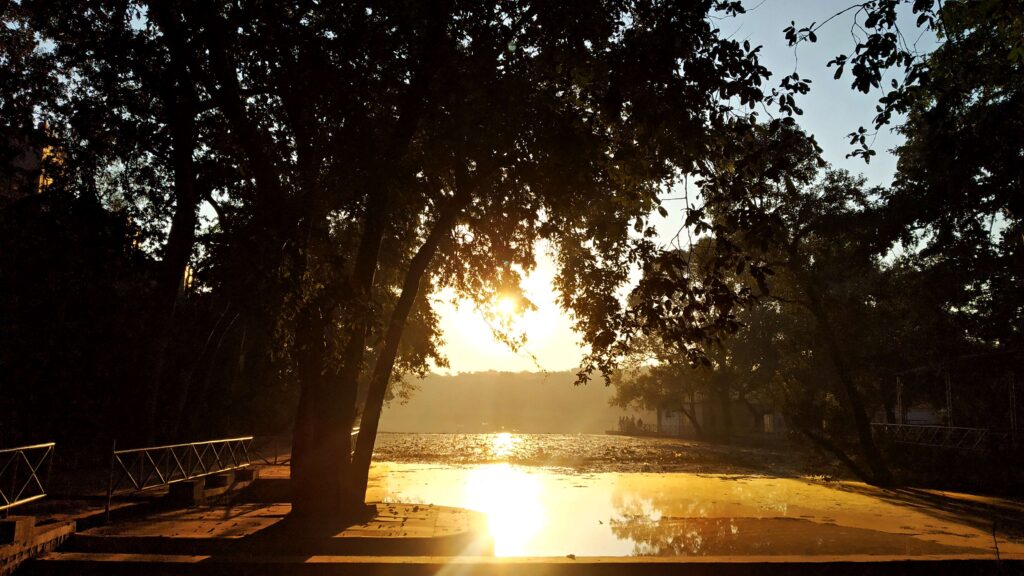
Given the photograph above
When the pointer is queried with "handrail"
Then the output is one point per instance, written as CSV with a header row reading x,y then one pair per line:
x,y
29,488
155,466
275,441
926,426
957,437
149,448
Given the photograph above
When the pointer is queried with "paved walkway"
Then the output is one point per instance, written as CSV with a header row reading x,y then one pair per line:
x,y
258,528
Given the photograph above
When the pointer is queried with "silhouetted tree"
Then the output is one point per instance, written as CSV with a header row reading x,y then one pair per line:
x,y
360,158
956,200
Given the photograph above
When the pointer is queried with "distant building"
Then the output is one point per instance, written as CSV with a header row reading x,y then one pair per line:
x,y
921,414
745,419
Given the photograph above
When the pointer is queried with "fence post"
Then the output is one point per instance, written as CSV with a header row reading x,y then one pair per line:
x,y
1013,409
110,479
16,463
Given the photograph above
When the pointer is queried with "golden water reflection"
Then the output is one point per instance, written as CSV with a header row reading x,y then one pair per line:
x,y
512,500
504,444
533,511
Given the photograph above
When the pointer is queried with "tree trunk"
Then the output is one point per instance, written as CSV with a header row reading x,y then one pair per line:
x,y
320,440
691,415
173,270
325,489
828,446
179,104
880,473
725,405
756,416
198,370
386,360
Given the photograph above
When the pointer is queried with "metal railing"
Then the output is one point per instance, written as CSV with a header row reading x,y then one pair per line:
x,y
272,450
20,469
140,469
276,450
957,437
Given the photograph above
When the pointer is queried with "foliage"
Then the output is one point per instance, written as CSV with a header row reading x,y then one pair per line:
x,y
282,185
358,159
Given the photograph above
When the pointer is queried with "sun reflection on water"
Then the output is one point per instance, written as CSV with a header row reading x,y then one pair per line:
x,y
504,444
512,500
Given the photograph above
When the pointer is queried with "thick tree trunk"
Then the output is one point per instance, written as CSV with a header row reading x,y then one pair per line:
x,y
311,428
321,492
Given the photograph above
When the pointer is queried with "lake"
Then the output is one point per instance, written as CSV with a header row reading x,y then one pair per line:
x,y
594,495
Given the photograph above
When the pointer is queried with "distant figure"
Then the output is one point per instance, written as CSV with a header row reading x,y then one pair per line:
x,y
640,425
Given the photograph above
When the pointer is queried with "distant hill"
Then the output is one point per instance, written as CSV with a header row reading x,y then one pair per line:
x,y
528,402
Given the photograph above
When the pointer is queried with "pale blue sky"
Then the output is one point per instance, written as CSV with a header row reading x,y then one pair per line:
x,y
832,109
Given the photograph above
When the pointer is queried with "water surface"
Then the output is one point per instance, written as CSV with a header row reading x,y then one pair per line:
x,y
557,511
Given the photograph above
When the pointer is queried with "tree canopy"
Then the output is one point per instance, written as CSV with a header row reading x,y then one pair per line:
x,y
359,158
275,189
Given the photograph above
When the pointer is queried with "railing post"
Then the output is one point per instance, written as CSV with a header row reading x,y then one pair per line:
x,y
949,401
110,480
14,496
1013,410
52,453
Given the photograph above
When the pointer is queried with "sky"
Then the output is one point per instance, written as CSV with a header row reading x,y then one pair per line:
x,y
831,111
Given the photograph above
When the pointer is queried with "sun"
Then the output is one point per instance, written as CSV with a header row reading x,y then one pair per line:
x,y
532,310
506,307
